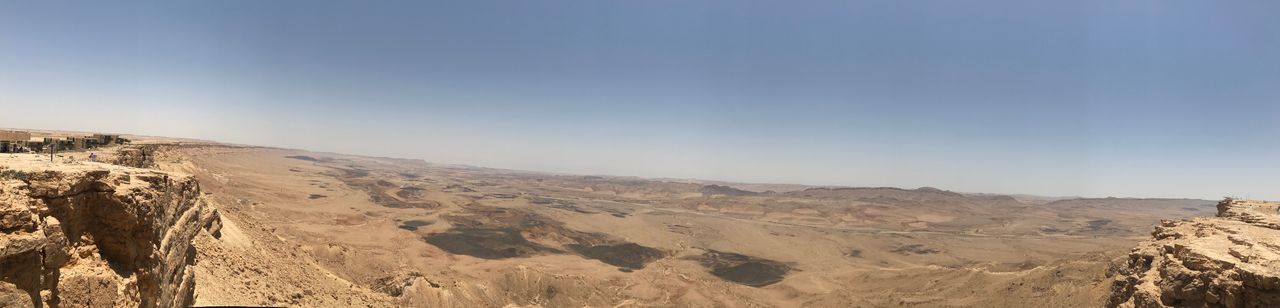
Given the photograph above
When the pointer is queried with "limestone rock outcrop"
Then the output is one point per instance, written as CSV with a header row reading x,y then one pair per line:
x,y
1232,260
96,235
138,156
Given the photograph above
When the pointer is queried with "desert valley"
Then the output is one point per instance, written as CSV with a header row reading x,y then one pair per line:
x,y
169,222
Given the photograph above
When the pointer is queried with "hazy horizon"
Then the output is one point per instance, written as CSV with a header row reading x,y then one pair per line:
x,y
1171,99
652,177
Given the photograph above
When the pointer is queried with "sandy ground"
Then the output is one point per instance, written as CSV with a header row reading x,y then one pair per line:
x,y
320,229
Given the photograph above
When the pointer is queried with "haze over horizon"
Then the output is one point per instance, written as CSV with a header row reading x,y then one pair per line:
x,y
1089,98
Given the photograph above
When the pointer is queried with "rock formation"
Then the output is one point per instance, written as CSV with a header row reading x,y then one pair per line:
x,y
96,235
1232,260
138,156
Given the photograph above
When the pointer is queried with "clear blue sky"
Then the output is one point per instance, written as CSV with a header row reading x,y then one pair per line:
x,y
1093,98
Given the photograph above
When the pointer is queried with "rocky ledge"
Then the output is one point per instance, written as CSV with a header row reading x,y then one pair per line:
x,y
1232,260
81,234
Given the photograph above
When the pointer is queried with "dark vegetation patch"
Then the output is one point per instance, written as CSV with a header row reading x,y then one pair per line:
x,y
381,198
1191,209
919,249
492,232
1097,224
743,269
316,196
355,173
350,220
502,196
458,188
303,157
755,274
853,253
560,204
679,229
571,207
378,191
14,175
532,224
594,208
615,212
409,175
626,255
411,192
711,190
413,225
487,243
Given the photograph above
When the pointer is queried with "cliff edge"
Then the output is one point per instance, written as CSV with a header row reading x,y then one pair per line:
x,y
83,234
1232,260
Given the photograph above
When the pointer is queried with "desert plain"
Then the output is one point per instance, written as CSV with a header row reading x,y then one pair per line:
x,y
286,227
320,229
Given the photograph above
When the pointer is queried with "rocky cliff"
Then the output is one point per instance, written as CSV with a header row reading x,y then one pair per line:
x,y
1232,260
77,234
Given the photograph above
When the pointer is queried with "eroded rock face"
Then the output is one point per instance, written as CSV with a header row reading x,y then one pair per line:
x,y
94,235
138,156
1232,260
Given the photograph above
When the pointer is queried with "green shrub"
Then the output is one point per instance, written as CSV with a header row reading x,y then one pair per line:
x,y
13,174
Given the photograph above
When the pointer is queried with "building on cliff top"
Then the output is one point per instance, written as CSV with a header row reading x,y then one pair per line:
x,y
13,135
12,141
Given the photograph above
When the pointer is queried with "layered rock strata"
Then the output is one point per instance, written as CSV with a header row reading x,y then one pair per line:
x,y
1232,260
76,234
